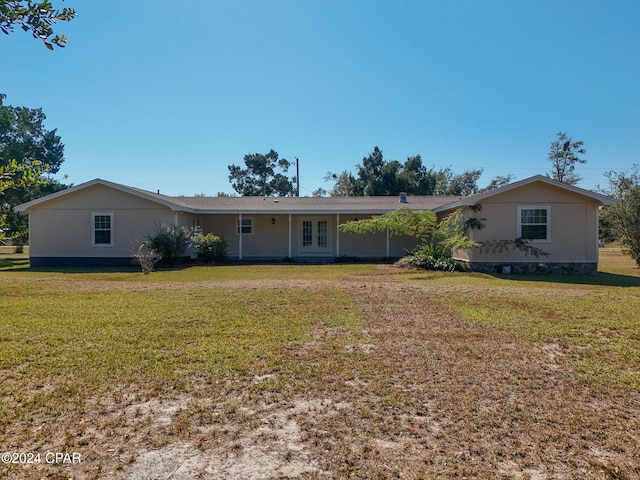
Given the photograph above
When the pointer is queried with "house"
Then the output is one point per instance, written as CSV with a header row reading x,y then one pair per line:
x,y
103,223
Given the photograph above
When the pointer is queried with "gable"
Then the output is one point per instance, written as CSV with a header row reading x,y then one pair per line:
x,y
538,192
534,189
97,197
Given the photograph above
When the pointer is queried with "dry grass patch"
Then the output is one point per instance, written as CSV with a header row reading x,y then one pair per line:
x,y
86,370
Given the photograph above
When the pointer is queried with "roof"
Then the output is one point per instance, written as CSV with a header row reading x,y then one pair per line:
x,y
258,205
264,205
315,205
474,199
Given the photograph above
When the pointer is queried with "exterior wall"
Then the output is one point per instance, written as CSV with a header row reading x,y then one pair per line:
x,y
270,238
62,228
572,225
372,245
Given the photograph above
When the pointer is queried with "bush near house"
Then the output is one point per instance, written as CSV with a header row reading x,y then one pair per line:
x,y
170,242
211,248
433,257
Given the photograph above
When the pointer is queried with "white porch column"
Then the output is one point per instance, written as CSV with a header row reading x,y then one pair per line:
x,y
387,242
337,235
239,236
289,235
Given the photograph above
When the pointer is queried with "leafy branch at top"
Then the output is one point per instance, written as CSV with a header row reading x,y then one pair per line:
x,y
37,17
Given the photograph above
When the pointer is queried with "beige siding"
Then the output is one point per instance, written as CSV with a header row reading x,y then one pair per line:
x,y
572,224
270,237
63,226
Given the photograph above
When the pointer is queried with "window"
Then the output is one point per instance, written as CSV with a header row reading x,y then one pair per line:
x,y
323,234
247,226
102,226
307,234
533,223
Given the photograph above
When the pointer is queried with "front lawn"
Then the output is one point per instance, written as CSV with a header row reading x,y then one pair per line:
x,y
320,371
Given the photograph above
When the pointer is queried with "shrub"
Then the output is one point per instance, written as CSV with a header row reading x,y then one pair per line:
x,y
430,256
170,242
211,248
146,258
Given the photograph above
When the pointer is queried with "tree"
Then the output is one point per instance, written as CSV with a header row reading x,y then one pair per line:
x,y
37,17
624,218
377,176
563,155
320,192
497,182
23,138
260,176
438,239
420,224
346,185
28,154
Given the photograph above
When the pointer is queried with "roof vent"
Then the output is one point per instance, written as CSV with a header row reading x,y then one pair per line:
x,y
403,197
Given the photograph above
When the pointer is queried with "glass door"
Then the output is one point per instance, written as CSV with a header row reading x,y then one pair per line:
x,y
314,235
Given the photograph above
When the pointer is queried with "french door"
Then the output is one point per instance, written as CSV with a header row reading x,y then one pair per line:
x,y
314,235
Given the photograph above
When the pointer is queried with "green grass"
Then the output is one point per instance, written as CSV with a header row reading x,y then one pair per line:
x,y
19,264
595,320
60,345
86,331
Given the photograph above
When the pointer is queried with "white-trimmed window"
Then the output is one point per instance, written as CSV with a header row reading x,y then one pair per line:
x,y
102,229
533,223
246,228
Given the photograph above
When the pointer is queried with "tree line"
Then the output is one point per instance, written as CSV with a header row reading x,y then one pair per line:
x,y
265,174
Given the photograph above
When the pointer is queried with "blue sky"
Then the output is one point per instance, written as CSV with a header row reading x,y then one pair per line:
x,y
164,95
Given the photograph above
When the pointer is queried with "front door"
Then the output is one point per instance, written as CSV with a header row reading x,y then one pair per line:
x,y
314,236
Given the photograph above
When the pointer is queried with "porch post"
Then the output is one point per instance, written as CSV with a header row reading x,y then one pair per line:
x,y
387,242
337,235
239,236
289,235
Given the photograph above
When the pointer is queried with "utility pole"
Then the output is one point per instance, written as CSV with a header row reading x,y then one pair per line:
x,y
297,178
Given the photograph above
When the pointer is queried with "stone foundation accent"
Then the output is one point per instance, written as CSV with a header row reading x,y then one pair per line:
x,y
553,268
